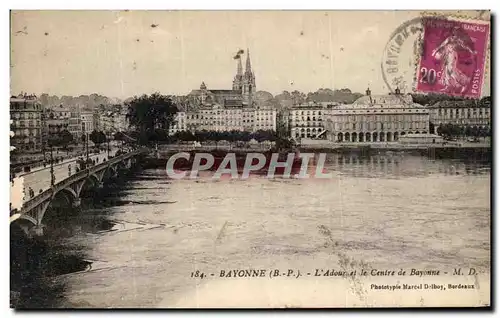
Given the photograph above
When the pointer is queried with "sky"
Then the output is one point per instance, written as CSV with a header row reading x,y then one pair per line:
x,y
126,53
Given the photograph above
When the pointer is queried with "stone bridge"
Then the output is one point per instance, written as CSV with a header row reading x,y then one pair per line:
x,y
30,217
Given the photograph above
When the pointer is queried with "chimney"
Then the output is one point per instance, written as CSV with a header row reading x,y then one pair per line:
x,y
369,93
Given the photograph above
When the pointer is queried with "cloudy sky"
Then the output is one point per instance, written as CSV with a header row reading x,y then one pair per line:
x,y
124,53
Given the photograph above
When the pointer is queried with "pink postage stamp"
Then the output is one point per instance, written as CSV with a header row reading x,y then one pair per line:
x,y
453,57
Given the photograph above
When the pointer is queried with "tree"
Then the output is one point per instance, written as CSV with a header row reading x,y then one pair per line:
x,y
119,136
102,137
97,137
261,135
185,135
445,130
474,132
149,112
467,131
54,140
298,97
63,139
482,132
67,138
431,127
201,136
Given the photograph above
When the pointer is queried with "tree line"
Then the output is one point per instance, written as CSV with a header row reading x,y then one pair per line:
x,y
432,98
64,138
453,130
231,136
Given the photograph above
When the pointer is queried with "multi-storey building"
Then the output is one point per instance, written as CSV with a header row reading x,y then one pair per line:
x,y
106,121
112,121
54,121
121,121
87,121
55,126
26,115
75,124
60,112
305,121
462,113
248,119
374,118
215,118
218,118
283,122
264,119
179,123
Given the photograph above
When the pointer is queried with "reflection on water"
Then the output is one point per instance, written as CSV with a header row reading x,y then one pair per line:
x,y
384,210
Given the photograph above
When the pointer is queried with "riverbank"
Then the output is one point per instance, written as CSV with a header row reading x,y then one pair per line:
x,y
437,152
159,159
38,265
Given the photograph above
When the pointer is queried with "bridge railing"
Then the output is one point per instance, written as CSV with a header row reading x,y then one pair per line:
x,y
36,200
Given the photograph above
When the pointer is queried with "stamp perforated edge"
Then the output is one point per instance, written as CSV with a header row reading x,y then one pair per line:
x,y
457,16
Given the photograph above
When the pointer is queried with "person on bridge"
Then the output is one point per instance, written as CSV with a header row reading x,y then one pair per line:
x,y
69,170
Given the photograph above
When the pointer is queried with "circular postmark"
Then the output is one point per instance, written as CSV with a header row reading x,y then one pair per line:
x,y
436,54
399,56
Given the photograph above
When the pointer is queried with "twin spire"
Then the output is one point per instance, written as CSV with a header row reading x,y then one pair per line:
x,y
244,82
248,66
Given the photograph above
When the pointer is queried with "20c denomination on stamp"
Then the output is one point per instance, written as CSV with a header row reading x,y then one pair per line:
x,y
453,56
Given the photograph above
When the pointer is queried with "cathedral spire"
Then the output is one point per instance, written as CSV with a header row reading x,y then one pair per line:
x,y
239,70
248,68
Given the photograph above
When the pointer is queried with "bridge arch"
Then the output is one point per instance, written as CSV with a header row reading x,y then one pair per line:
x,y
109,173
24,219
91,181
63,199
68,193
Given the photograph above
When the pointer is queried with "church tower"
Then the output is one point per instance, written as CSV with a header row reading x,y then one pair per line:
x,y
248,90
238,78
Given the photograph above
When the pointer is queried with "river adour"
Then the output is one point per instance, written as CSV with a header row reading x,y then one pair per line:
x,y
386,211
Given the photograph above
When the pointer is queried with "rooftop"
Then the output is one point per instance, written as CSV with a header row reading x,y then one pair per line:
x,y
381,102
233,103
458,104
420,136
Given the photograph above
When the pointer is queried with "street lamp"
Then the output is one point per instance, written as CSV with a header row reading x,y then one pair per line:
x,y
52,176
107,139
87,145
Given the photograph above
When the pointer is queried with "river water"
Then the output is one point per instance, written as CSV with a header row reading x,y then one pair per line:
x,y
386,211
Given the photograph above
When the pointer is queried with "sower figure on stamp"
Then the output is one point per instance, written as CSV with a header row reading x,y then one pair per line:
x,y
452,77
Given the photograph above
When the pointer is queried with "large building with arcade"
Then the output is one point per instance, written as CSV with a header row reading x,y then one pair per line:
x,y
376,118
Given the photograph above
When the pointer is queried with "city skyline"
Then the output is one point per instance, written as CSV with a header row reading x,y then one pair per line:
x,y
126,53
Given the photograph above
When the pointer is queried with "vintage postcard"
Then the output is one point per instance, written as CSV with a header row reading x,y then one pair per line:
x,y
250,159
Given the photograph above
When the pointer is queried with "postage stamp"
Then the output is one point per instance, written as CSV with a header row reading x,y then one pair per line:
x,y
172,168
453,56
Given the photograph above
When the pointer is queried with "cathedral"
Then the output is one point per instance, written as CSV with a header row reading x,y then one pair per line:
x,y
242,94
